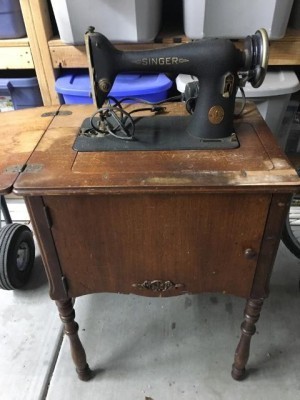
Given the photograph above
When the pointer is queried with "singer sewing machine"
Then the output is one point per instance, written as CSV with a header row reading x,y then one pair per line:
x,y
221,69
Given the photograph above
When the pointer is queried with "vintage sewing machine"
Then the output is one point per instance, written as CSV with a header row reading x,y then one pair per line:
x,y
221,69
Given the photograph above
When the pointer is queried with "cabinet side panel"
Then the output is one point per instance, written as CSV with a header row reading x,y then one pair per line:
x,y
272,235
43,234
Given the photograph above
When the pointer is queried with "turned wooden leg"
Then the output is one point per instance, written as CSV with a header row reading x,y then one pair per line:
x,y
252,312
67,315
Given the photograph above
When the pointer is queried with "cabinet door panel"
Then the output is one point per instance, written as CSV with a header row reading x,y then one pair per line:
x,y
198,242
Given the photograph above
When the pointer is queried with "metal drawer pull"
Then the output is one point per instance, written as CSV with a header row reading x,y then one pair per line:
x,y
158,285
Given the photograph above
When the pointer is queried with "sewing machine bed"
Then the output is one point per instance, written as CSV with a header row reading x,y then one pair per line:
x,y
154,223
152,133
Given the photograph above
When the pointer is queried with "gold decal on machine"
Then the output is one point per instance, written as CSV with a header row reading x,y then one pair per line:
x,y
216,115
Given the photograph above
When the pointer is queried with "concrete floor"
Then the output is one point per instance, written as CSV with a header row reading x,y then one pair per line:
x,y
144,348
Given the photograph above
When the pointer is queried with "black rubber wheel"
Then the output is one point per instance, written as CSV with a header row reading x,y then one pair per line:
x,y
291,229
17,254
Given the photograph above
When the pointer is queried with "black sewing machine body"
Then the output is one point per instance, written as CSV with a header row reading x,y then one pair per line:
x,y
220,68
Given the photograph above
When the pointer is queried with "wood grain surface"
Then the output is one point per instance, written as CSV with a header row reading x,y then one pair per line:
x,y
198,241
20,132
258,162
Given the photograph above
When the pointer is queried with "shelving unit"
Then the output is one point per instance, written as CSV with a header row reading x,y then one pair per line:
x,y
47,54
287,50
15,54
39,30
24,53
282,52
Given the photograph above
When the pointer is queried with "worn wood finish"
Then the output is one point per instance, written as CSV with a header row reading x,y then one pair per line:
x,y
158,223
20,131
257,165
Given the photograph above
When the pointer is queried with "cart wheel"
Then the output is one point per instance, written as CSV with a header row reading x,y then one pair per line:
x,y
291,228
17,254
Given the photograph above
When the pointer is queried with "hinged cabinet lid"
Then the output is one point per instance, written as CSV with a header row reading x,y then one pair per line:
x,y
20,132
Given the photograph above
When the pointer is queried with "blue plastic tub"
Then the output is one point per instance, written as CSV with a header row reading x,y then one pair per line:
x,y
24,92
11,20
76,88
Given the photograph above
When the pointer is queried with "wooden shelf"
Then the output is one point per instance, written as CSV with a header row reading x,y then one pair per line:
x,y
31,52
15,54
48,54
286,51
69,56
283,52
22,42
38,26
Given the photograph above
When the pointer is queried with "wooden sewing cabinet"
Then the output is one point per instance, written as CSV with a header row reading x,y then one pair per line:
x,y
158,223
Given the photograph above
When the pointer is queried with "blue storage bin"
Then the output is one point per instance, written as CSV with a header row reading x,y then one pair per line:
x,y
24,92
11,20
76,88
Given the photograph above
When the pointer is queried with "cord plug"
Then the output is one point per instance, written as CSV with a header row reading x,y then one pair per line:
x,y
158,109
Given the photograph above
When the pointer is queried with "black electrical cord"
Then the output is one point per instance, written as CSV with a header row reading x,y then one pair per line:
x,y
110,123
243,102
115,121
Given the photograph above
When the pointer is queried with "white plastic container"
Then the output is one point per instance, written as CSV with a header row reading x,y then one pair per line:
x,y
271,98
119,20
235,18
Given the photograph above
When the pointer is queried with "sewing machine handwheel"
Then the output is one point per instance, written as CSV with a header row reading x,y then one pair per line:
x,y
260,57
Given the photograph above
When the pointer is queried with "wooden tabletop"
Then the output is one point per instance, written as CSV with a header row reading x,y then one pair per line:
x,y
55,168
20,132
